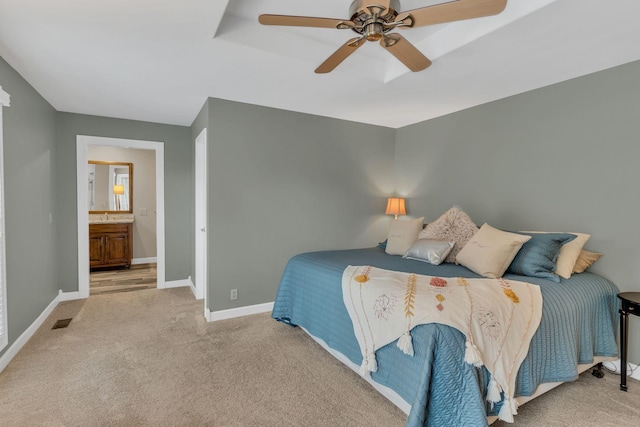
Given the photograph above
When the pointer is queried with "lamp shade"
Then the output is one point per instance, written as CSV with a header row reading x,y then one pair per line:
x,y
395,206
118,189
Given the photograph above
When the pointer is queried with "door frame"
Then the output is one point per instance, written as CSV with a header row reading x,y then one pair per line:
x,y
201,231
82,144
4,332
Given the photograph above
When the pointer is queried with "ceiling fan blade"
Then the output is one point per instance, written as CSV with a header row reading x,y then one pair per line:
x,y
304,21
340,55
406,53
454,11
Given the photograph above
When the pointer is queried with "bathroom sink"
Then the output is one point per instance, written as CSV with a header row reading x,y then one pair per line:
x,y
111,219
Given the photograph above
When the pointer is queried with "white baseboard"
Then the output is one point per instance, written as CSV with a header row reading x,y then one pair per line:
x,y
27,334
149,260
212,316
69,296
180,283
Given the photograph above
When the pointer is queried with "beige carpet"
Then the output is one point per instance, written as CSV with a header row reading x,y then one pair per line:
x,y
149,358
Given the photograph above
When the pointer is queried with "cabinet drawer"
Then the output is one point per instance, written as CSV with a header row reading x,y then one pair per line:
x,y
108,228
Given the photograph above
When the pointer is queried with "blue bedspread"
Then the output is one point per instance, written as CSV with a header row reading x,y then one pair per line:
x,y
578,322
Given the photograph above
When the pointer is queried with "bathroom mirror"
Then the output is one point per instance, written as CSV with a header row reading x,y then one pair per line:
x,y
110,187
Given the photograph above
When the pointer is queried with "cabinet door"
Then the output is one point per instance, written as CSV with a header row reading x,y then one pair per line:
x,y
110,245
96,250
117,247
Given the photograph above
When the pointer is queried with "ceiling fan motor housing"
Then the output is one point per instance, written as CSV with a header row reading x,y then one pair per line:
x,y
365,5
369,17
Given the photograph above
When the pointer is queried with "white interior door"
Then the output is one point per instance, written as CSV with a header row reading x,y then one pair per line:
x,y
201,214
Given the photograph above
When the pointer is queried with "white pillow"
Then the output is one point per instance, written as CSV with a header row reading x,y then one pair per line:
x,y
402,234
569,253
428,250
490,251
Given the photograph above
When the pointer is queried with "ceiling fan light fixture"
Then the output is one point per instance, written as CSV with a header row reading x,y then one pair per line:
x,y
374,31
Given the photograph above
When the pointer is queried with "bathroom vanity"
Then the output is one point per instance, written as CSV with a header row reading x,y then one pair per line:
x,y
110,244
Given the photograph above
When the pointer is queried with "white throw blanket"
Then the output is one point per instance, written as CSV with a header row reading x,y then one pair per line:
x,y
498,318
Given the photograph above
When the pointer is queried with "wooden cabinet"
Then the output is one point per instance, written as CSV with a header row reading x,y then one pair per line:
x,y
110,245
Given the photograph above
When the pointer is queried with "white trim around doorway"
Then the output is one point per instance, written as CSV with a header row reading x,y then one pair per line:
x,y
201,216
82,142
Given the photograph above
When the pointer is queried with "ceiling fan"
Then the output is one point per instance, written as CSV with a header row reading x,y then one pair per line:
x,y
372,20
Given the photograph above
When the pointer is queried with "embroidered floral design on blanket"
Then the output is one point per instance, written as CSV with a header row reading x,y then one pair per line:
x,y
384,306
497,317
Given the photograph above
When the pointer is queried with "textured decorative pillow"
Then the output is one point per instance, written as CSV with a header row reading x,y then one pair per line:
x,y
402,234
585,259
453,226
568,254
490,251
538,256
431,251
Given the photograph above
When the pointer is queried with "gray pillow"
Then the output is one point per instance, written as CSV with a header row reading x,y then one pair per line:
x,y
429,250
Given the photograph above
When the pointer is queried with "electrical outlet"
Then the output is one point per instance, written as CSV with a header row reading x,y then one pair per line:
x,y
234,294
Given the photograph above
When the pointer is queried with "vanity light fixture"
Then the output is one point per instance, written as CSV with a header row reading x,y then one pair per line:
x,y
395,206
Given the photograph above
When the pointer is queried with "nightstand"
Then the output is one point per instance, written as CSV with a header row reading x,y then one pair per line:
x,y
630,304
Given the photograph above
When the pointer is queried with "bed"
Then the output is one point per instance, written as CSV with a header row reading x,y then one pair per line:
x,y
436,387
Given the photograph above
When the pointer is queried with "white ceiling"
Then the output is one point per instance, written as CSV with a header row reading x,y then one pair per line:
x,y
158,60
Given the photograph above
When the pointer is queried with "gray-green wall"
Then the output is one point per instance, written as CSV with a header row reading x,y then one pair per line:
x,y
40,181
29,162
281,183
178,165
561,158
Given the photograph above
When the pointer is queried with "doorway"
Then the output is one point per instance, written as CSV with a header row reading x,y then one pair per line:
x,y
83,142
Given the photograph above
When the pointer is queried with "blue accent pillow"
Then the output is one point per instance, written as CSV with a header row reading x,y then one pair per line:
x,y
538,256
